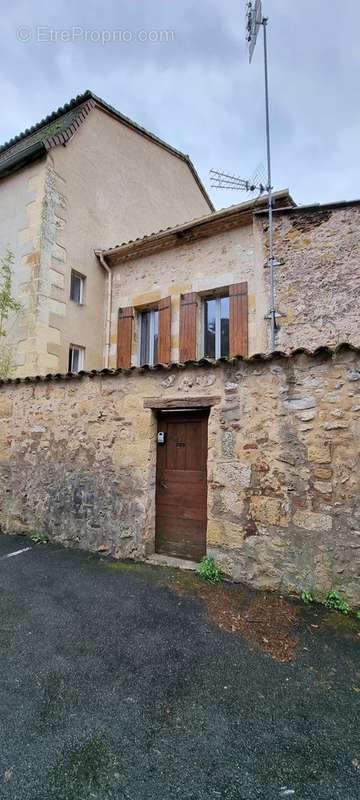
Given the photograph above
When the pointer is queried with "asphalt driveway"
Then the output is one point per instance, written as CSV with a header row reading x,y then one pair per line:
x,y
130,681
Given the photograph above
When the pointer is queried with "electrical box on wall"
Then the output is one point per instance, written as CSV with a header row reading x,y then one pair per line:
x,y
161,437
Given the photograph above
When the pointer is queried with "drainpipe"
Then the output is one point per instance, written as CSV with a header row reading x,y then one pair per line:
x,y
108,308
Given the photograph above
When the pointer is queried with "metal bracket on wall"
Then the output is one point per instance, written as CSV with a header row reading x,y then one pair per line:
x,y
276,263
277,315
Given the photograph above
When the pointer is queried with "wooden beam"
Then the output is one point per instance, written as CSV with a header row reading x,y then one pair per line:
x,y
181,402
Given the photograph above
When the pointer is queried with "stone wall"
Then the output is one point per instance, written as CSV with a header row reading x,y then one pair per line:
x,y
318,285
78,460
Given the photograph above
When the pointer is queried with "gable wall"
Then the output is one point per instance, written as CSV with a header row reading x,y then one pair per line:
x,y
107,183
114,184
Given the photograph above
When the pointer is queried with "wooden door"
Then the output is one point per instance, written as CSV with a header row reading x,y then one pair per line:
x,y
181,485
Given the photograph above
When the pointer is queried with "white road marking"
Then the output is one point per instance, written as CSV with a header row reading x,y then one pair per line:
x,y
15,553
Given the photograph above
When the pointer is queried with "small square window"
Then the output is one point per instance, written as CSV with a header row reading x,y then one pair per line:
x,y
76,358
216,327
77,288
149,334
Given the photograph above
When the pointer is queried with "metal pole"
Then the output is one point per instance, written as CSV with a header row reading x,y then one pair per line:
x,y
269,189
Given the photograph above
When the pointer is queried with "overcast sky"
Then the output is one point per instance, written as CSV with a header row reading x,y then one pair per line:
x,y
197,90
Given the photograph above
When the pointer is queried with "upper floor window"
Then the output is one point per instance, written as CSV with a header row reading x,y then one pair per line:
x,y
77,287
216,327
149,336
76,358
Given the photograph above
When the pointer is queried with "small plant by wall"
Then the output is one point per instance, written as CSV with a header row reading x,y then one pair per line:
x,y
307,597
210,571
335,601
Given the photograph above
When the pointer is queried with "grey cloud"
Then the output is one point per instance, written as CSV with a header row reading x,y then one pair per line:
x,y
198,91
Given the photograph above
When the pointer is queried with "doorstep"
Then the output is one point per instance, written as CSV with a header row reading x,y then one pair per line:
x,y
170,561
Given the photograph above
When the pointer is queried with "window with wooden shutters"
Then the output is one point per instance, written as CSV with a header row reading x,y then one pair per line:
x,y
225,323
125,337
155,334
189,306
238,296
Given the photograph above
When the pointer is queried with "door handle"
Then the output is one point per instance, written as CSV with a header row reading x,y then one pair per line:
x,y
163,485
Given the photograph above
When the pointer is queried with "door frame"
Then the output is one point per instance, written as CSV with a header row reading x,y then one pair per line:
x,y
199,416
156,405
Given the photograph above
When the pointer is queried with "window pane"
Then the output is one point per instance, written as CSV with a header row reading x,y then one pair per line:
x,y
224,321
209,328
75,360
145,337
156,335
75,291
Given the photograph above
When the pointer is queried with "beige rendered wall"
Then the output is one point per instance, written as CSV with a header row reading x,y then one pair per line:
x,y
21,203
108,184
198,266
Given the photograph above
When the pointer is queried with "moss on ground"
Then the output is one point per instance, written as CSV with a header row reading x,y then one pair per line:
x,y
82,770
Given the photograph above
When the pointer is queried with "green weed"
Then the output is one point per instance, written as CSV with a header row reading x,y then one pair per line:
x,y
39,538
210,571
307,597
335,601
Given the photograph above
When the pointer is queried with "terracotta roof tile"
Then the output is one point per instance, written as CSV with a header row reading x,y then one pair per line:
x,y
256,359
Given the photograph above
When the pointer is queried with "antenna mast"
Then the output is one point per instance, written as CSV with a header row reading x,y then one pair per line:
x,y
255,18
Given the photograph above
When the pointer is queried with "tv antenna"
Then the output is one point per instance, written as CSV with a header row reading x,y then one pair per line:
x,y
222,180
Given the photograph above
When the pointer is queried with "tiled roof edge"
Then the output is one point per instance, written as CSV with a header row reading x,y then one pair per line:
x,y
14,162
64,136
196,222
75,101
257,358
311,207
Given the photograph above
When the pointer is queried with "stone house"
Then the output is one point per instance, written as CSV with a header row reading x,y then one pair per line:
x,y
76,181
202,288
183,435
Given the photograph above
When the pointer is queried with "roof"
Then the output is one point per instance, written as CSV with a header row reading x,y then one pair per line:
x,y
59,127
314,207
256,359
201,226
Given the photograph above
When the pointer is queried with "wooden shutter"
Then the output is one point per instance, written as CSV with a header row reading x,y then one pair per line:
x,y
238,294
125,335
189,304
164,341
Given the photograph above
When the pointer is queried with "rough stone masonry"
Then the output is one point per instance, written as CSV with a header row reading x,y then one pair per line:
x,y
78,462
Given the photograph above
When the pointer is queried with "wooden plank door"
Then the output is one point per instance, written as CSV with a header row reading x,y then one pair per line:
x,y
181,485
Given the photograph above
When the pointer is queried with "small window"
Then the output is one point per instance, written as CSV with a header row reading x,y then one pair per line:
x,y
216,327
76,358
77,288
149,334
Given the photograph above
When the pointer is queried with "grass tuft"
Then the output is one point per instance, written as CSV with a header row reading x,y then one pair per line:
x,y
338,603
210,571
